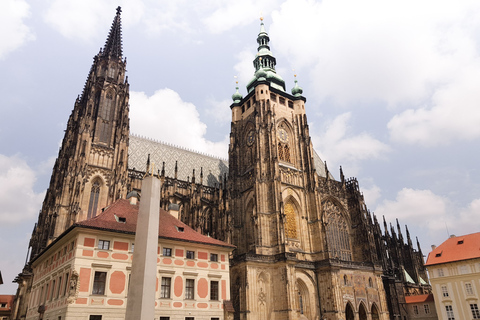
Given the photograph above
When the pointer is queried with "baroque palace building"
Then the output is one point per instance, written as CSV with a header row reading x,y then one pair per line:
x,y
307,247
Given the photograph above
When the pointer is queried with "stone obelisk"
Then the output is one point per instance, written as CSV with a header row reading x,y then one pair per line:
x,y
141,294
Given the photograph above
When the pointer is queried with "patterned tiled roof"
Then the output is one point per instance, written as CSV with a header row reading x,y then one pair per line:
x,y
168,228
213,168
139,148
456,249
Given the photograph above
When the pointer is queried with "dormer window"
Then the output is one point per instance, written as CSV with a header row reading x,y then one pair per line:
x,y
460,241
180,229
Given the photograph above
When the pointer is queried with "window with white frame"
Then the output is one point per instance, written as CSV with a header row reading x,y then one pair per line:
x,y
166,287
426,307
475,311
440,272
450,315
415,309
99,282
469,288
103,244
189,289
213,290
167,252
445,291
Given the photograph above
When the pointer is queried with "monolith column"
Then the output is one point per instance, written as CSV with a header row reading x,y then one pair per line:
x,y
141,293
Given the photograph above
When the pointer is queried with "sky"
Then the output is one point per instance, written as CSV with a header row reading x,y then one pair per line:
x,y
392,92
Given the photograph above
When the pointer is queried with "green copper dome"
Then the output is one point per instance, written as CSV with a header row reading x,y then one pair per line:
x,y
297,90
237,96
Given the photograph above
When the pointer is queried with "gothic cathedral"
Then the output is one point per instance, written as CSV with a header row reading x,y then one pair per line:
x,y
307,247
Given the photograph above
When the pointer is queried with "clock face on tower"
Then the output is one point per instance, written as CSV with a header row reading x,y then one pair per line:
x,y
250,137
282,135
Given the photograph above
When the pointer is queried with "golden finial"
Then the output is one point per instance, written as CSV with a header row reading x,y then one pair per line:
x,y
261,16
236,79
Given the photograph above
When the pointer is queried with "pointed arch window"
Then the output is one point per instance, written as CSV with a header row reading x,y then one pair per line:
x,y
290,221
94,196
338,238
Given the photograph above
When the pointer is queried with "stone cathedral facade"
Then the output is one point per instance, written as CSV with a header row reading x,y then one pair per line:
x,y
307,247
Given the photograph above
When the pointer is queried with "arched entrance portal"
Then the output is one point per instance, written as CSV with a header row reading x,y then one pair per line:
x,y
362,313
349,312
375,315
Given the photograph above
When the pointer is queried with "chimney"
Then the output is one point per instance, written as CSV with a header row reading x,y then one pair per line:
x,y
134,197
434,247
452,236
173,209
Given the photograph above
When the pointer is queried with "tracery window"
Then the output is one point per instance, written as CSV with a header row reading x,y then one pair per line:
x,y
337,235
284,152
290,221
94,195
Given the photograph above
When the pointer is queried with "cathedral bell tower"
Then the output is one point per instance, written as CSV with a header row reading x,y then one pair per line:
x,y
272,177
91,168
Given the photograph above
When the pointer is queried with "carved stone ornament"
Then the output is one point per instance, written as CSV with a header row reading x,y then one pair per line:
x,y
73,287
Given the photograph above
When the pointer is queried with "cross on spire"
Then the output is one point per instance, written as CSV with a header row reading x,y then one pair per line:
x,y
113,45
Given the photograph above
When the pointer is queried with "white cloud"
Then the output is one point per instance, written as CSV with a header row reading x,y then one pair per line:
x,y
244,67
232,14
409,54
88,19
19,201
454,115
371,195
341,147
166,117
13,31
431,214
219,110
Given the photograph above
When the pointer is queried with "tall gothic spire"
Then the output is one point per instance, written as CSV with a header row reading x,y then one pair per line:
x,y
113,45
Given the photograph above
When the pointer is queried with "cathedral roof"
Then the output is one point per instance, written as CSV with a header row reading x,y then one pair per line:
x,y
456,249
213,168
139,148
121,216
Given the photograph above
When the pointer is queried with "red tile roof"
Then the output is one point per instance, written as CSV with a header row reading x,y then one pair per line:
x,y
419,298
8,299
456,249
110,220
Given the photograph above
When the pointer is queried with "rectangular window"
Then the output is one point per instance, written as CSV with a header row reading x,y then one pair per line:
x,y
190,254
426,308
189,289
59,287
463,269
450,315
445,291
213,257
213,290
166,285
167,252
469,288
133,246
189,318
415,309
53,290
99,282
66,285
475,311
95,317
440,272
164,318
46,294
103,244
